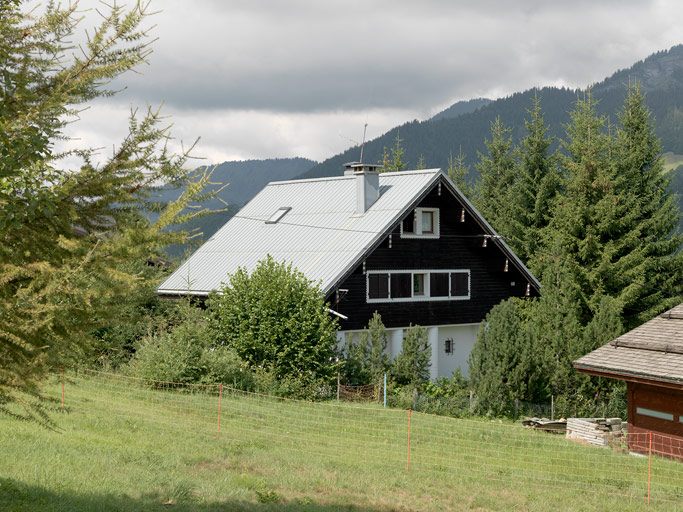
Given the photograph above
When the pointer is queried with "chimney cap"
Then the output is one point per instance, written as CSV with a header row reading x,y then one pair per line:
x,y
358,167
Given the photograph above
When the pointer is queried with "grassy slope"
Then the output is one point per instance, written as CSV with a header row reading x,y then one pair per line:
x,y
120,447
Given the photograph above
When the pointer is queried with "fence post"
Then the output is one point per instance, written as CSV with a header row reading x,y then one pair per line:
x,y
552,407
471,400
649,465
62,379
410,413
220,398
338,386
385,389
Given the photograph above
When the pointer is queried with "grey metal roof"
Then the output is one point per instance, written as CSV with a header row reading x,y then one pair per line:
x,y
321,235
653,351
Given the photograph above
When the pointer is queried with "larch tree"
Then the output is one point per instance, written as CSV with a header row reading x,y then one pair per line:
x,y
68,235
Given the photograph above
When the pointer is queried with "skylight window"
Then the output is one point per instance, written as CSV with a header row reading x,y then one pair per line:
x,y
279,213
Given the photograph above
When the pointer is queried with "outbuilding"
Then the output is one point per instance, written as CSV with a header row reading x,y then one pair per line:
x,y
650,359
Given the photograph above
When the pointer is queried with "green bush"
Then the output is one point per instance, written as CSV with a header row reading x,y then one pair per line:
x,y
186,353
222,365
277,319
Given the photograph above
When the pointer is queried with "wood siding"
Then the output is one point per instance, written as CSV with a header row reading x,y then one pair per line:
x,y
667,436
458,247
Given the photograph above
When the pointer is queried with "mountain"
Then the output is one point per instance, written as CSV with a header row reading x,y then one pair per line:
x,y
244,179
460,108
661,76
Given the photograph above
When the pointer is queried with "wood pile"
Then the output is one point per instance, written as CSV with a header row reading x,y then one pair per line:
x,y
552,426
597,431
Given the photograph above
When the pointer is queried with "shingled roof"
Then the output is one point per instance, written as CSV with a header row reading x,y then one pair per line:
x,y
653,352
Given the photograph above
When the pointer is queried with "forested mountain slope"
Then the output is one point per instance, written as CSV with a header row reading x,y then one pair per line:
x,y
661,76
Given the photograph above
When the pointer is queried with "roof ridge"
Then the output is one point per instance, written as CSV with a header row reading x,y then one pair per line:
x,y
347,177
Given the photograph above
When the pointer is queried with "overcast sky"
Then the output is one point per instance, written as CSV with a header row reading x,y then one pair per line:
x,y
260,79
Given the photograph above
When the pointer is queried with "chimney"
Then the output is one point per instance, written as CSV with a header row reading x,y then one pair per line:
x,y
367,184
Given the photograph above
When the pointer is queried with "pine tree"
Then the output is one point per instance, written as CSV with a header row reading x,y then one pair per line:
x,y
497,171
534,189
67,236
502,362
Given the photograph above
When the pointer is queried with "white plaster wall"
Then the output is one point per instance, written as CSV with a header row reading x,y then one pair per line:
x,y
442,364
464,337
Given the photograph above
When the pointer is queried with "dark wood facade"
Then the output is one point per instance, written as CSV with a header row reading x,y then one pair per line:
x,y
663,435
459,246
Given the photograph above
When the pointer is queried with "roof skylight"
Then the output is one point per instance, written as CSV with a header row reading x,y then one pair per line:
x,y
279,213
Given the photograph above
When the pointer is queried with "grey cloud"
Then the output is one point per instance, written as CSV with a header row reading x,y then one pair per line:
x,y
321,56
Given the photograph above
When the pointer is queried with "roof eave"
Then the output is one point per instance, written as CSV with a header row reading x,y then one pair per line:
x,y
625,375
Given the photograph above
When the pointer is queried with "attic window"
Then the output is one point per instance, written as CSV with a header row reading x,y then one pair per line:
x,y
279,213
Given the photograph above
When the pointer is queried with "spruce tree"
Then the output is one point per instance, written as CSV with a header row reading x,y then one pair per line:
x,y
393,158
658,284
535,187
497,169
458,171
590,216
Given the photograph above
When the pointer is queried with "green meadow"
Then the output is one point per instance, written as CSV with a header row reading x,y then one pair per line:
x,y
119,446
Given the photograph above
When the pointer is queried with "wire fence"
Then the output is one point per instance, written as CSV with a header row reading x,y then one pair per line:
x,y
458,449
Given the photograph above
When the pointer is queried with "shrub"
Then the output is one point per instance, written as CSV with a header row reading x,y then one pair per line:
x,y
223,365
277,319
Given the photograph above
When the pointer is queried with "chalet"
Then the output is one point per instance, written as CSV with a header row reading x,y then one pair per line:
x,y
406,244
650,359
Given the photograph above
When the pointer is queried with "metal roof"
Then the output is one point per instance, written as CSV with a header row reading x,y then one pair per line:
x,y
321,234
653,351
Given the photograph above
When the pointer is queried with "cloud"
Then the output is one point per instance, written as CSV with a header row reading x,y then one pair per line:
x,y
273,78
321,56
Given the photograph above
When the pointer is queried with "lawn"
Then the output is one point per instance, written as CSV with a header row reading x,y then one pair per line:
x,y
120,446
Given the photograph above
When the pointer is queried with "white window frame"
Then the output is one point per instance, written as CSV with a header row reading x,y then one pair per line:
x,y
419,298
417,224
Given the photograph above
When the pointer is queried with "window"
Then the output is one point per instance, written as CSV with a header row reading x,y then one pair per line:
x,y
427,222
378,286
400,286
421,223
460,284
655,414
279,213
438,284
418,285
422,285
448,345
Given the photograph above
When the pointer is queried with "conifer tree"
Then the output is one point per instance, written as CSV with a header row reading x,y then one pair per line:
x,y
639,166
590,213
502,362
497,176
67,236
411,366
458,171
535,187
392,159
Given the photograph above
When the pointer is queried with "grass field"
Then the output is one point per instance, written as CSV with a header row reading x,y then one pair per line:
x,y
119,446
